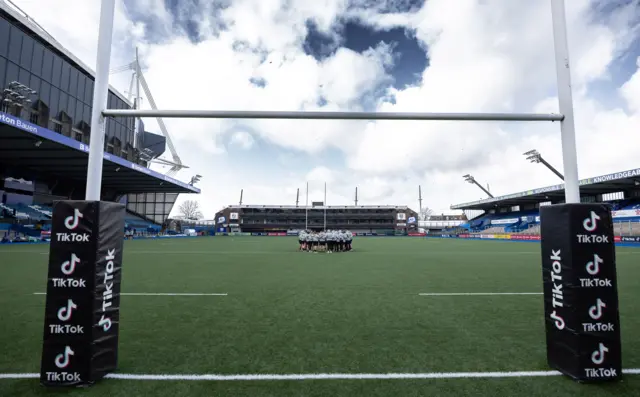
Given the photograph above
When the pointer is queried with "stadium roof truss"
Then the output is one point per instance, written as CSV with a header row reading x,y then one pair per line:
x,y
565,101
603,184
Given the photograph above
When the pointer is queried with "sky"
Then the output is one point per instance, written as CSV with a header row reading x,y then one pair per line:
x,y
373,55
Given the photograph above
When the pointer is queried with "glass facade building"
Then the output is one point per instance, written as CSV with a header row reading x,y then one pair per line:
x,y
59,98
61,89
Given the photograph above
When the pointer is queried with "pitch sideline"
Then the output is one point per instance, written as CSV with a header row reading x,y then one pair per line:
x,y
320,376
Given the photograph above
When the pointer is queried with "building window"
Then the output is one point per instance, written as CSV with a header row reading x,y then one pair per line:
x,y
27,52
4,37
15,44
33,117
36,62
55,125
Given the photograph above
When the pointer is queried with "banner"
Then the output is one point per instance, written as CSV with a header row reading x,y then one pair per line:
x,y
525,237
80,342
504,221
580,291
277,234
416,234
626,213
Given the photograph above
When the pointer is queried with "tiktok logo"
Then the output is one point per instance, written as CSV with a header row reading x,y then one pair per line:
x,y
64,314
69,267
591,224
558,319
71,222
593,267
62,359
598,356
595,312
105,323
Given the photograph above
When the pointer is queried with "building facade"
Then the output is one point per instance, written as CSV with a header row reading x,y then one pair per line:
x,y
360,219
46,85
60,87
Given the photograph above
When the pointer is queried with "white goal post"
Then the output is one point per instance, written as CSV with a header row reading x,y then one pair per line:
x,y
566,118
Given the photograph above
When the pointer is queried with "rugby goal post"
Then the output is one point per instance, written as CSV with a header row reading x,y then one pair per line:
x,y
575,236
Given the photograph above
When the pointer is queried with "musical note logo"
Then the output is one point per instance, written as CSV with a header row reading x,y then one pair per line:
x,y
62,359
71,222
68,267
64,314
598,356
591,224
105,323
593,267
559,320
595,312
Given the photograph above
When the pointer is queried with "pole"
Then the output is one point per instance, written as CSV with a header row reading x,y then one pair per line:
x,y
306,210
297,197
308,115
241,191
356,196
483,189
100,92
420,201
138,99
550,167
565,102
325,206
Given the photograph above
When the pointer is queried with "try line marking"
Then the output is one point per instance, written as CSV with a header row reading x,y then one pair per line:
x,y
323,376
476,293
157,294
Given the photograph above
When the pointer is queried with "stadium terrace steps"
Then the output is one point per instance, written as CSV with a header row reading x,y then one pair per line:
x,y
135,222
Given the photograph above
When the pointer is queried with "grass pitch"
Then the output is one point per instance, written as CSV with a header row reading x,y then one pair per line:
x,y
288,312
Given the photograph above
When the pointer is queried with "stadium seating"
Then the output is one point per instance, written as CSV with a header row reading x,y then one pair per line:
x,y
503,223
43,209
14,211
140,225
626,219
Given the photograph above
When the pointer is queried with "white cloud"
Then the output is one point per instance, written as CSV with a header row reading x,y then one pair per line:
x,y
483,56
242,139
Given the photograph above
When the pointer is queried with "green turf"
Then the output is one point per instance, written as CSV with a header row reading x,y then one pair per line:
x,y
289,312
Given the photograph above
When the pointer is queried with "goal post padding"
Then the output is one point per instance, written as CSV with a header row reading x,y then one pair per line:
x,y
80,342
580,291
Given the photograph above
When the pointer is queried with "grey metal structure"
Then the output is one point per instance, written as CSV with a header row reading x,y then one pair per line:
x,y
307,115
472,180
137,81
566,118
535,157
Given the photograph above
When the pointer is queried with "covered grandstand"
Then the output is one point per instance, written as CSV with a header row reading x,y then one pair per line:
x,y
518,214
45,114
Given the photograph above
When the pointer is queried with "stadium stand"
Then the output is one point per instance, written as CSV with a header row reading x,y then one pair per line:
x,y
518,213
380,220
45,115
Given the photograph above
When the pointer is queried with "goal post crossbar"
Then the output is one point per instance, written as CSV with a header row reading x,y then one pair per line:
x,y
320,115
565,102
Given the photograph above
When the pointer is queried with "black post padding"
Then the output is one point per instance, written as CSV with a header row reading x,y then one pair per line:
x,y
580,291
80,343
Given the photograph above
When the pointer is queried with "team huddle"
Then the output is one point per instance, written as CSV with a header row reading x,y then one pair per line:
x,y
326,241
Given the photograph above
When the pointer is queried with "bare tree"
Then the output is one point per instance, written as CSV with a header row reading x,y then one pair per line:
x,y
190,209
425,213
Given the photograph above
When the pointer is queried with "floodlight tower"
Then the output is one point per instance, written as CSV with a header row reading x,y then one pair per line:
x,y
535,157
473,181
195,179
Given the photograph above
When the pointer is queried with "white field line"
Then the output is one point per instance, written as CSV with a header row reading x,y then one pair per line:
x,y
158,294
426,253
322,376
476,293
